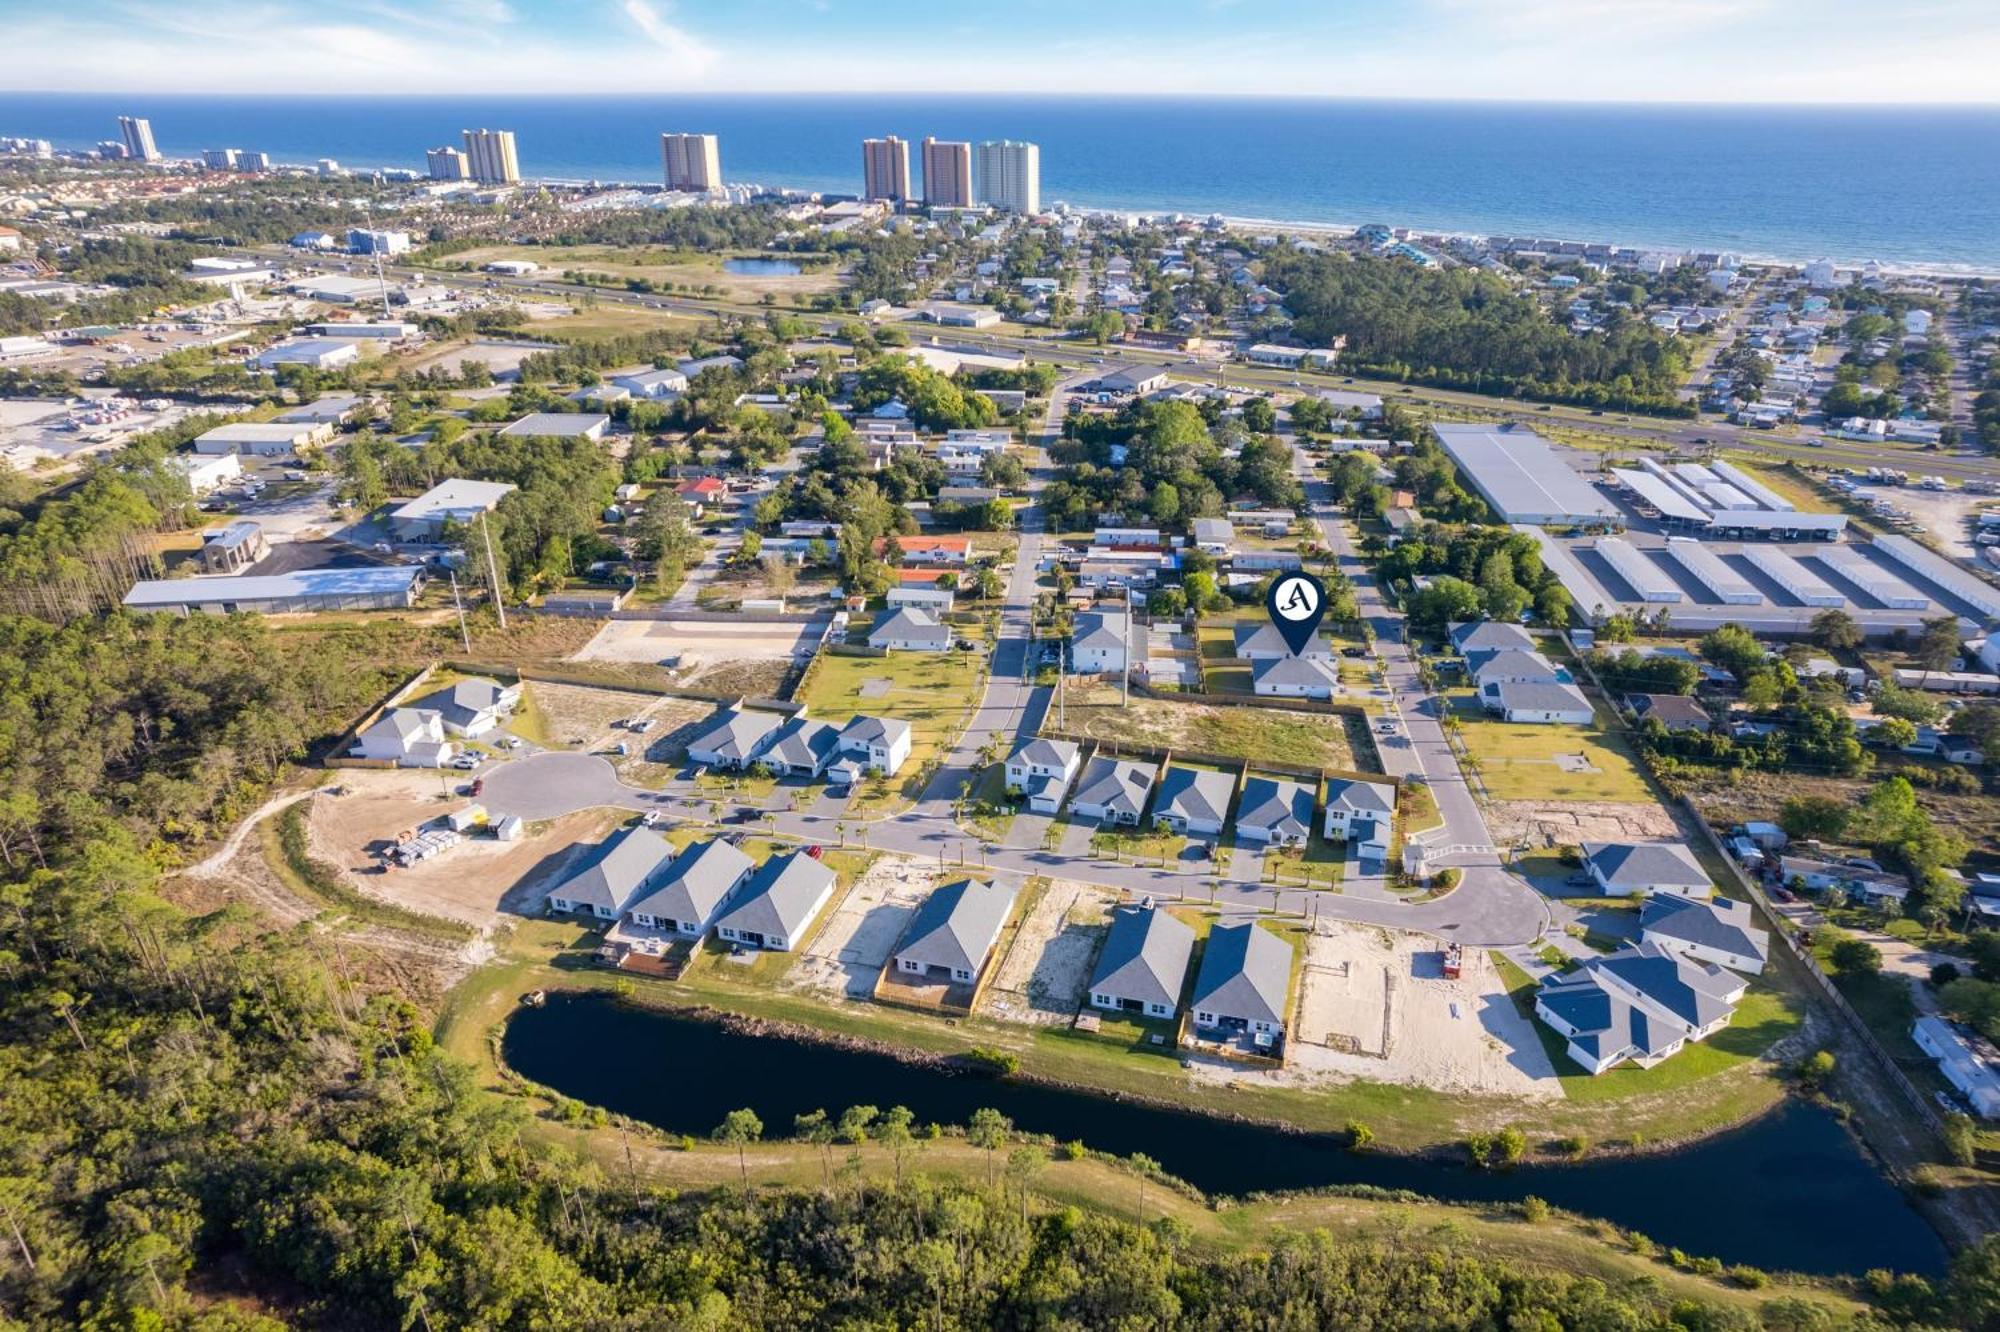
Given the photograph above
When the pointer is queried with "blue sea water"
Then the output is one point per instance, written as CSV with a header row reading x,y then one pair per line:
x,y
1916,185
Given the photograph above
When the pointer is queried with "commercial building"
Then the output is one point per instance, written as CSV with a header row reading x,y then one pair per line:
x,y
1934,568
448,163
692,163
361,240
1720,500
490,155
263,439
234,548
319,353
559,425
1008,175
138,134
947,174
885,170
455,501
376,587
1518,472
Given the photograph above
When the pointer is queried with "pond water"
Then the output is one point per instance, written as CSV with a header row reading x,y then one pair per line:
x,y
763,267
1790,1191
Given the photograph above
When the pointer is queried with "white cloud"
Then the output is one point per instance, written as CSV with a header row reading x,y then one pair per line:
x,y
690,57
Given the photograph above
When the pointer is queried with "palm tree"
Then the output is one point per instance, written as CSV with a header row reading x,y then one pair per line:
x,y
1147,1168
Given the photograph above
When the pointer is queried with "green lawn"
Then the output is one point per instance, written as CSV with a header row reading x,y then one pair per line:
x,y
1518,761
1269,735
932,691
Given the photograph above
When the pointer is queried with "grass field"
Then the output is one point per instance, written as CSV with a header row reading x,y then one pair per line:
x,y
1303,739
1519,761
612,320
930,690
681,268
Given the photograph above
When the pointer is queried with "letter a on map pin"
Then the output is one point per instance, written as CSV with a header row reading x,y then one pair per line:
x,y
1297,603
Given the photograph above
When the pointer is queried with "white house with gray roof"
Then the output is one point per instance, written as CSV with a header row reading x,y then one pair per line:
x,y
1275,811
1628,869
1478,638
802,747
1099,642
407,737
1244,982
1042,770
625,867
1720,931
778,904
954,930
909,629
1363,815
1143,963
686,898
1641,1004
1193,801
1261,641
878,744
473,706
1545,702
1114,790
1294,677
737,738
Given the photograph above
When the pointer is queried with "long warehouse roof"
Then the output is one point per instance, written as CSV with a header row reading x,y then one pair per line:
x,y
1975,592
1519,473
1663,497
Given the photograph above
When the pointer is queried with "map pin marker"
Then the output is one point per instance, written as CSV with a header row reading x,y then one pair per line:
x,y
1297,602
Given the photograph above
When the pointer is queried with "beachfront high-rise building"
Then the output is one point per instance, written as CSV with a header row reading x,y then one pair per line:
x,y
490,154
692,162
947,174
447,163
885,169
138,138
221,159
1009,175
251,160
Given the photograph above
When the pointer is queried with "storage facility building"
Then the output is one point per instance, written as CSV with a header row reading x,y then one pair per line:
x,y
1520,475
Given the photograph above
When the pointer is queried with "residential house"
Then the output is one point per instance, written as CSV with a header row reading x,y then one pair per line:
x,y
1363,815
1856,882
778,904
876,744
685,899
1274,811
1216,536
1719,931
1193,801
1643,1004
1295,677
1965,1061
1098,642
1629,869
1244,982
407,737
1143,963
1676,712
628,865
1042,770
737,738
1487,636
936,600
947,551
1538,702
909,629
802,747
1512,666
954,930
473,706
1114,790
1261,641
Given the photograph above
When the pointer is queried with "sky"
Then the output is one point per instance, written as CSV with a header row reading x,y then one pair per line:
x,y
1799,51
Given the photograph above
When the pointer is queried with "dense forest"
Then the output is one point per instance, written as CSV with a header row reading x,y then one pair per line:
x,y
1462,328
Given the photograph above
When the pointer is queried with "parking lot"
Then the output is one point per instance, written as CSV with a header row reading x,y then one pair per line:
x,y
734,657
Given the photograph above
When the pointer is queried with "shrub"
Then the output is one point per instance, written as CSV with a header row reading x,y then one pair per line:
x,y
1359,1135
1748,1277
1574,1145
1533,1210
1961,1139
1002,1062
1815,1068
1070,1151
1856,957
1944,973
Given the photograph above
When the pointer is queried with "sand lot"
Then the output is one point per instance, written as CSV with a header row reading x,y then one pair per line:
x,y
707,649
580,715
1042,978
853,946
1459,1036
473,881
502,358
1547,825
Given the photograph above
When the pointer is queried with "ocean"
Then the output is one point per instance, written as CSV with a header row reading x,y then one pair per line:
x,y
1917,186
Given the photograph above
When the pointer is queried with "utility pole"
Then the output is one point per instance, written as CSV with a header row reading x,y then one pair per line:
x,y
383,283
493,571
1125,657
464,635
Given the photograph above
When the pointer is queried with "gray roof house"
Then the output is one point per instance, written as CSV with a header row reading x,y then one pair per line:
x,y
801,747
1490,636
1626,869
1143,963
1042,770
1262,639
1358,811
629,863
408,737
1512,664
1113,790
1245,977
955,929
1098,641
1275,811
1538,701
686,897
1194,800
1719,931
909,629
1643,1004
736,740
778,904
1294,677
472,706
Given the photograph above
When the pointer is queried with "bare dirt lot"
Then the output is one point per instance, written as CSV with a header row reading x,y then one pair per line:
x,y
1460,1035
849,953
579,715
502,358
1042,978
710,654
1548,825
473,881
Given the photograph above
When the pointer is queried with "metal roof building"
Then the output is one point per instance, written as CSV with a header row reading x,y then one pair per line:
x,y
1877,582
1644,577
1977,593
1729,587
376,587
1797,580
1519,474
